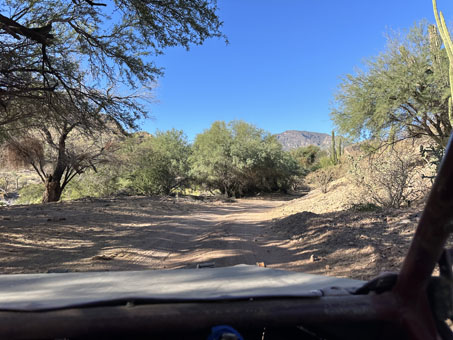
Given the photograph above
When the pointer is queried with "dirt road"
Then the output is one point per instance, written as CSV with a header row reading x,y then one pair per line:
x,y
135,233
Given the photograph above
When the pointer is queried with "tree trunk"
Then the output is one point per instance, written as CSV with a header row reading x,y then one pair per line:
x,y
226,193
53,190
53,181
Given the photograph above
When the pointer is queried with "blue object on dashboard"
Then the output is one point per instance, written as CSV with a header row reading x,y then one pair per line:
x,y
224,332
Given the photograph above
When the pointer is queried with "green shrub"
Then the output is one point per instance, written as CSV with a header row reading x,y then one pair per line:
x,y
364,207
160,164
104,182
238,159
31,194
308,157
325,162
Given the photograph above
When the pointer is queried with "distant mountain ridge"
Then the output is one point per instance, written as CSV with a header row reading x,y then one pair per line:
x,y
293,139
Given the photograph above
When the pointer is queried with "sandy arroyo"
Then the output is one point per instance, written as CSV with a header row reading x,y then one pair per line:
x,y
134,233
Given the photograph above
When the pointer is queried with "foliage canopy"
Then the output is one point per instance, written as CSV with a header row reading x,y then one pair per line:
x,y
88,50
160,163
403,92
308,157
239,159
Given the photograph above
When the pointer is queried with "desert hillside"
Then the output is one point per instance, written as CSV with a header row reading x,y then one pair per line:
x,y
293,139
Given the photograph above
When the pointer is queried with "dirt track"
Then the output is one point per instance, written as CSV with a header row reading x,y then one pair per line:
x,y
135,233
151,233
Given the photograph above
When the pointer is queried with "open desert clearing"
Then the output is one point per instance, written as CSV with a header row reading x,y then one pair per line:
x,y
134,233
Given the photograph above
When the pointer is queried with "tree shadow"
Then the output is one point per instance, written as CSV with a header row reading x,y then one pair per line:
x,y
359,245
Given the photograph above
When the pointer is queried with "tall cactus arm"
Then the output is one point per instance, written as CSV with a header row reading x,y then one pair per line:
x,y
446,38
444,34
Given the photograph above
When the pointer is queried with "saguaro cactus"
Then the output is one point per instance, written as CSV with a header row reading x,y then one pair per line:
x,y
340,147
333,155
446,38
435,46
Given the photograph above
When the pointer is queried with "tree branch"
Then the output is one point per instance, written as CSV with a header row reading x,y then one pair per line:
x,y
40,34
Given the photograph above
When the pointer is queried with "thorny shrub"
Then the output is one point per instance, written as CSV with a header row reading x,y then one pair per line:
x,y
388,178
322,178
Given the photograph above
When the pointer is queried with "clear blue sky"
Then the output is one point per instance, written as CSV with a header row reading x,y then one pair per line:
x,y
283,63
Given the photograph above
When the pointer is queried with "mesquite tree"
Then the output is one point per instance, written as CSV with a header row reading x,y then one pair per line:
x,y
94,57
60,148
239,159
403,92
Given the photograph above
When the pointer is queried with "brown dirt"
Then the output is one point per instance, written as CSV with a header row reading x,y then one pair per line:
x,y
151,233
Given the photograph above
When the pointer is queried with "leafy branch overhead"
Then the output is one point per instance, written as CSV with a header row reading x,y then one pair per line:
x,y
87,49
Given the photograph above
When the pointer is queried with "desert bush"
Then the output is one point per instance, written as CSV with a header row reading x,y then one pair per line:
x,y
30,194
9,181
364,207
328,173
4,183
101,183
325,162
142,164
300,184
323,177
389,178
159,165
308,157
239,159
